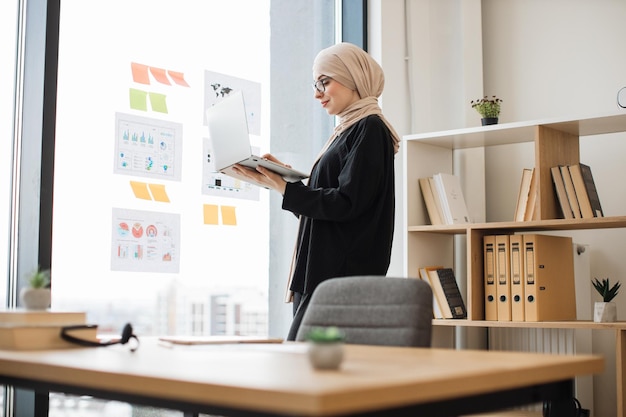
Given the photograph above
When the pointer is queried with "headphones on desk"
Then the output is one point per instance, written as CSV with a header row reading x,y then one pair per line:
x,y
126,337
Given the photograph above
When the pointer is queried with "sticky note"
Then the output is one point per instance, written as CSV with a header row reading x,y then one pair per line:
x,y
178,78
140,73
138,99
140,189
210,214
157,101
158,192
160,75
229,217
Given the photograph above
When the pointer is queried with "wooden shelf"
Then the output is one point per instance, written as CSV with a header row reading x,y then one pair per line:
x,y
556,142
520,132
580,324
615,222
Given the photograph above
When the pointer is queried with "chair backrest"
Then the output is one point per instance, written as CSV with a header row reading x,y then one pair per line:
x,y
373,310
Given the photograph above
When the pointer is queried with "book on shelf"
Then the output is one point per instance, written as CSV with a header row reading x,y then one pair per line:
x,y
489,259
586,191
447,288
561,194
41,336
429,201
433,188
448,187
531,203
436,302
549,284
523,193
516,246
23,317
570,191
503,277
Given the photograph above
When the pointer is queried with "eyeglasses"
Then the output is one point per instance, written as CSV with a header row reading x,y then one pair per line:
x,y
320,85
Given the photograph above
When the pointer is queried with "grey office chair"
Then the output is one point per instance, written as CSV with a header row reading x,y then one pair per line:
x,y
373,310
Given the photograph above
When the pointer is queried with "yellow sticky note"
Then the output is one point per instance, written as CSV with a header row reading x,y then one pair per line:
x,y
140,189
229,218
158,192
138,99
158,103
210,214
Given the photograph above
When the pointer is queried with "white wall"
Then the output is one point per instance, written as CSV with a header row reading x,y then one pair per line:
x,y
558,58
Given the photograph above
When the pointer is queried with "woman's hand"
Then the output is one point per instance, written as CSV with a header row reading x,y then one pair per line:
x,y
262,175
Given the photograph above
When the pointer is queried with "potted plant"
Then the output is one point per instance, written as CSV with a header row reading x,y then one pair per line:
x,y
325,347
37,296
488,108
605,310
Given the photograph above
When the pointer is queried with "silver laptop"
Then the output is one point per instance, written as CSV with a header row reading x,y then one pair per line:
x,y
230,141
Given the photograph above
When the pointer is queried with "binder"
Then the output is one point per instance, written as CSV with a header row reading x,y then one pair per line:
x,y
436,307
549,287
489,260
503,277
516,246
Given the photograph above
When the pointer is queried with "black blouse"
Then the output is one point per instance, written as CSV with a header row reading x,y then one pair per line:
x,y
347,210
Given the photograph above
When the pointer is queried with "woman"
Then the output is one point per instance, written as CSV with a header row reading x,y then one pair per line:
x,y
346,210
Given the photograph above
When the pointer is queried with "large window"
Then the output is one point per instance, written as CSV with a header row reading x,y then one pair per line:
x,y
142,230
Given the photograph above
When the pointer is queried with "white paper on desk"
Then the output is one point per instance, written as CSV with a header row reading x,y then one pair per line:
x,y
217,340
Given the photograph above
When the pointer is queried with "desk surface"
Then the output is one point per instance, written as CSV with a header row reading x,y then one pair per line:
x,y
277,378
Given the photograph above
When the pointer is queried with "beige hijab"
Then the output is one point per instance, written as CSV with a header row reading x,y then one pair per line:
x,y
357,70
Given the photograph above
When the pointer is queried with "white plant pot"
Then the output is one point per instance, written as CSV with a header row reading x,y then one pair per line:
x,y
325,355
605,312
35,298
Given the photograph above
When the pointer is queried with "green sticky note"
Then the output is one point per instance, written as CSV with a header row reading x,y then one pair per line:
x,y
158,102
138,99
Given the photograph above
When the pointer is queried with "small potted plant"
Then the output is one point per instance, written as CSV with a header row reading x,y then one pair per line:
x,y
325,347
605,310
488,108
37,296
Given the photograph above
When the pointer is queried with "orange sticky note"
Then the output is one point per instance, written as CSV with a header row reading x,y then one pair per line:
x,y
229,218
140,73
160,75
140,189
158,192
210,214
178,77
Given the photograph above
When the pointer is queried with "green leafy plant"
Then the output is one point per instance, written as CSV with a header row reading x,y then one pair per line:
x,y
40,278
605,290
487,107
330,334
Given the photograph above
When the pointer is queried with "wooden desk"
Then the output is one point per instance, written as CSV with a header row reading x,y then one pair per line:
x,y
276,379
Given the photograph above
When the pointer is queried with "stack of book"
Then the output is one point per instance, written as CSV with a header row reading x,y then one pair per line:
x,y
444,199
529,277
41,329
576,191
447,300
